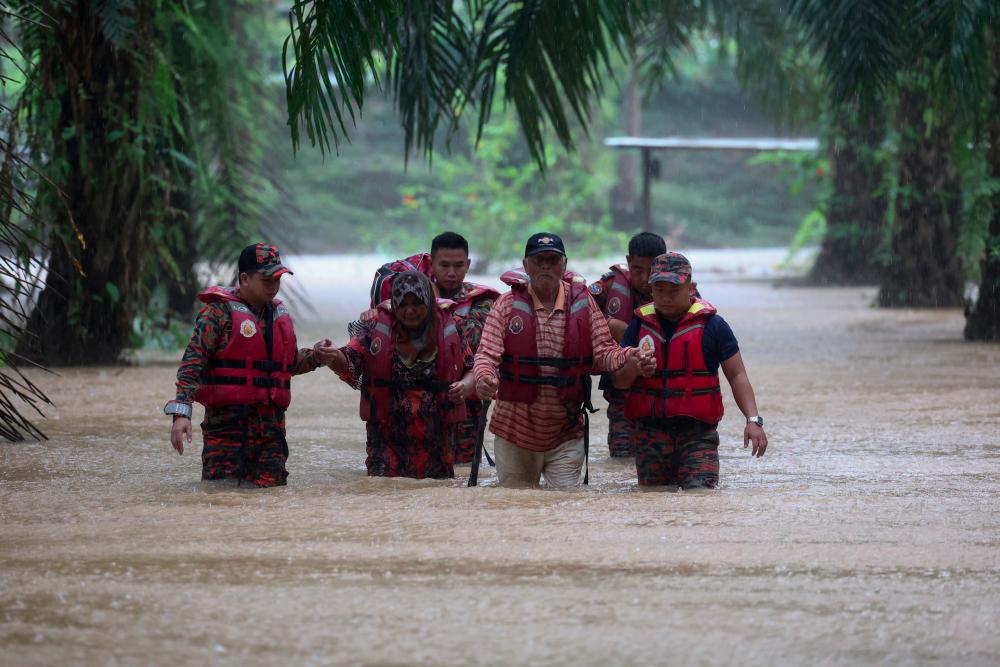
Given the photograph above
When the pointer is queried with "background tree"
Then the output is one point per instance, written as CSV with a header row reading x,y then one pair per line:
x,y
139,116
936,57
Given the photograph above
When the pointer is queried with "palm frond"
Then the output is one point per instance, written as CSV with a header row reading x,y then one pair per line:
x,y
857,41
442,60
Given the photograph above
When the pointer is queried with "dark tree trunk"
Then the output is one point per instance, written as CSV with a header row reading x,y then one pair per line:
x,y
924,269
624,211
85,312
856,214
983,321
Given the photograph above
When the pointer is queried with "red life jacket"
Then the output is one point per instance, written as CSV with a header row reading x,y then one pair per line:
x,y
382,284
520,365
619,304
378,380
682,385
243,372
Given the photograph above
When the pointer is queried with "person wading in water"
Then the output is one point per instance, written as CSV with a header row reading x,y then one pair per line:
x,y
413,368
239,364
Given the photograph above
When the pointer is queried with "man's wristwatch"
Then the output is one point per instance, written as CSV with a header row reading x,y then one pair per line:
x,y
177,409
756,419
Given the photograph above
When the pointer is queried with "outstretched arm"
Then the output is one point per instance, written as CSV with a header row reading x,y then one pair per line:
x,y
736,374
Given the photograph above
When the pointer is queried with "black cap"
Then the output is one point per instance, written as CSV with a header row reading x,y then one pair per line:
x,y
263,258
544,242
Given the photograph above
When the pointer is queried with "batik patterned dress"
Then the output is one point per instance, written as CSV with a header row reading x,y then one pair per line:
x,y
412,442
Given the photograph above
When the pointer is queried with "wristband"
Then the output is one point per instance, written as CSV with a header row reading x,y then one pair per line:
x,y
177,409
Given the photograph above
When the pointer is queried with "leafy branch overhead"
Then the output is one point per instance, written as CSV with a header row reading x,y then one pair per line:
x,y
438,59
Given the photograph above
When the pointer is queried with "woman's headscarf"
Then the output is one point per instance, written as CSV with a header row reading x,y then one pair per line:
x,y
417,340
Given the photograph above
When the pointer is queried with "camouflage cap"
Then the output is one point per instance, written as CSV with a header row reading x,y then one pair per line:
x,y
262,258
671,267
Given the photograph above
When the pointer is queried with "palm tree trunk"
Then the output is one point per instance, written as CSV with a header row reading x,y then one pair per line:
x,y
856,212
924,269
623,194
983,321
85,312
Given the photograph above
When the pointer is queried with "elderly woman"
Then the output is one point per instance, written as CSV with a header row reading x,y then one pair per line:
x,y
414,371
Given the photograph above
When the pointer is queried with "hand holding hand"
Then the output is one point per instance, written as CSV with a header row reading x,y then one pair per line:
x,y
180,433
325,352
456,392
755,433
486,388
647,363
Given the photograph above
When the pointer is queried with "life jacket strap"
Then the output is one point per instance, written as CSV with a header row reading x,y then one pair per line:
x,y
559,381
240,364
555,362
437,386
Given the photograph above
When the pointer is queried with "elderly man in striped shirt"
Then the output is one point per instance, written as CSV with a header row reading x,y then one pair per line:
x,y
540,344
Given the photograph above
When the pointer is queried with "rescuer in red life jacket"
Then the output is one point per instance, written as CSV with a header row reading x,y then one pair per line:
x,y
618,292
677,407
239,364
446,265
541,343
413,368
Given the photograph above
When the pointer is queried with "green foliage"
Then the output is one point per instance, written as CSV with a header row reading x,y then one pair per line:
x,y
979,191
801,170
495,198
440,58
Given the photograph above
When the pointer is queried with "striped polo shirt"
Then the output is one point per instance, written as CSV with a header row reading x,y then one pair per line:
x,y
543,424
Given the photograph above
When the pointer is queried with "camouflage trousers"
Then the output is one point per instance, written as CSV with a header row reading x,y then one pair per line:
x,y
467,433
246,444
687,457
620,430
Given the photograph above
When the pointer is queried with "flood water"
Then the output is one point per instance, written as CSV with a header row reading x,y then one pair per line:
x,y
868,534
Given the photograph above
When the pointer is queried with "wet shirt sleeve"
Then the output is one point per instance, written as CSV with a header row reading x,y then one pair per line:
x,y
718,343
599,291
631,337
491,344
211,333
608,354
305,360
472,324
354,351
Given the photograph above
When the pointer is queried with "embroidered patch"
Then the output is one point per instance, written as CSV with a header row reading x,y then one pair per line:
x,y
596,289
376,346
248,329
516,324
646,344
614,305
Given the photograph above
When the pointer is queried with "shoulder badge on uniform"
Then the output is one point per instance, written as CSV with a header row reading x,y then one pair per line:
x,y
239,307
248,329
614,305
516,324
596,288
648,309
376,346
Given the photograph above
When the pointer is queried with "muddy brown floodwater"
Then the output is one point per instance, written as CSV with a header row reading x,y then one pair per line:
x,y
869,534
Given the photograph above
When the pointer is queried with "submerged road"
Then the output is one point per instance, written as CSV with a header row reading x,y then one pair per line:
x,y
869,534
